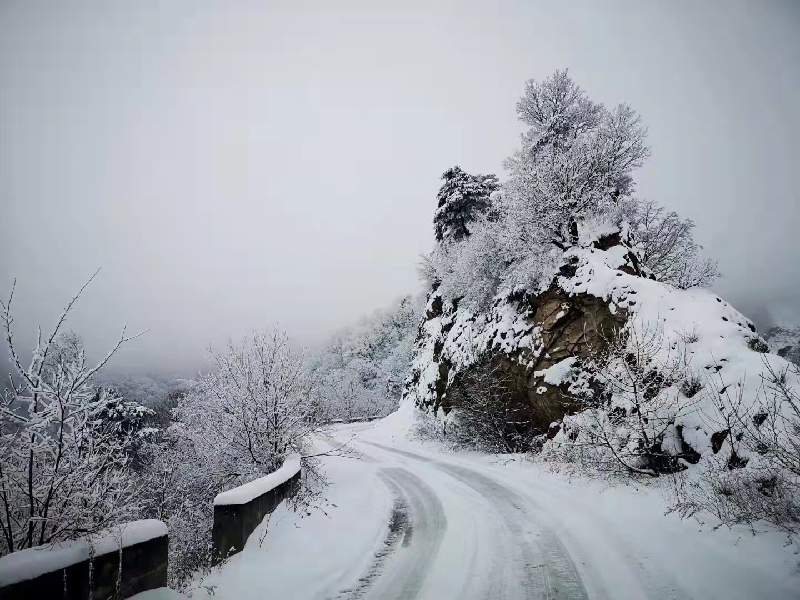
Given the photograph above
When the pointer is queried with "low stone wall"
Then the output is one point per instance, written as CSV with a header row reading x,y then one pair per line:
x,y
144,567
234,521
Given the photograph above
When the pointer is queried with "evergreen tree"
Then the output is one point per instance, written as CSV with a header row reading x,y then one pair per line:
x,y
461,199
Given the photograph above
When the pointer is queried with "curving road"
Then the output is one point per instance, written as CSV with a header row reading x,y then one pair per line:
x,y
530,562
409,522
464,530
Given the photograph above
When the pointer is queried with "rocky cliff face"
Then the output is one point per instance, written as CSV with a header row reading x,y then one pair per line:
x,y
532,342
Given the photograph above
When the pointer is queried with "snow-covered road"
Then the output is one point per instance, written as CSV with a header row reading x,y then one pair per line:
x,y
524,558
407,521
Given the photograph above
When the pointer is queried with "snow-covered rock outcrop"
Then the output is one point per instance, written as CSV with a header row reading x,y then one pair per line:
x,y
546,346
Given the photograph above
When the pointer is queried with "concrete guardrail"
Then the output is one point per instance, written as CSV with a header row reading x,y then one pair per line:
x,y
239,511
67,571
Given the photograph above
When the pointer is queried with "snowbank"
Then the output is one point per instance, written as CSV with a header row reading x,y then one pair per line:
x,y
398,425
33,562
250,491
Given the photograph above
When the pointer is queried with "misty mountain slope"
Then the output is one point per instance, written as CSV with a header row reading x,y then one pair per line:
x,y
598,352
784,340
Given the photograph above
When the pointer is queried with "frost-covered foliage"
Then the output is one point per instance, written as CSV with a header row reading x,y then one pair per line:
x,y
65,446
461,200
632,399
573,169
666,245
362,368
754,472
178,488
576,159
258,405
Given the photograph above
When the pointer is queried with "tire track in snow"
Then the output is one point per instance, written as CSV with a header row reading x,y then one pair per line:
x,y
547,569
399,529
406,570
416,529
545,562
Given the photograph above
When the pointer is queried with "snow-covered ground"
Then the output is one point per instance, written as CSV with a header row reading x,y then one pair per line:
x,y
409,521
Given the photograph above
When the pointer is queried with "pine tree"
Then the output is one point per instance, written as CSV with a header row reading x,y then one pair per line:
x,y
461,199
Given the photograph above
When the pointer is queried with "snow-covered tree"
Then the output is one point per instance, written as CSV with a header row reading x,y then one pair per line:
x,y
258,405
573,169
666,245
64,446
576,159
177,487
461,199
362,368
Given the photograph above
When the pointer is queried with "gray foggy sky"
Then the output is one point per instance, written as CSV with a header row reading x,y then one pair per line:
x,y
232,165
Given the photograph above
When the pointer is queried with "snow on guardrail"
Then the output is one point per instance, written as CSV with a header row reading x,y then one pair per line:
x,y
250,491
34,562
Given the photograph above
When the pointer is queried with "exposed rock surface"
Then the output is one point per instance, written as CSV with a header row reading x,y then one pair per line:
x,y
533,343
784,340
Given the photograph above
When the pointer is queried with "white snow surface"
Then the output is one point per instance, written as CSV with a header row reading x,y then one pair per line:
x,y
33,562
258,487
559,372
479,527
314,554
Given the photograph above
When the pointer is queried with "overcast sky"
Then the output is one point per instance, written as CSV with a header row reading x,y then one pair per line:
x,y
231,165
